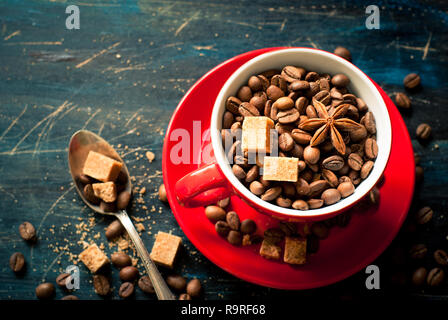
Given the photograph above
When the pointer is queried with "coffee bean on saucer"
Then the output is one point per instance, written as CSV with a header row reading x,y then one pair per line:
x,y
274,234
162,193
374,196
129,274
101,285
424,215
194,288
123,200
61,280
222,228
235,238
320,230
423,131
126,290
419,276
248,226
145,284
17,262
27,231
402,100
343,52
418,251
233,220
45,291
411,81
176,282
223,203
184,296
215,213
441,257
114,230
70,297
120,259
435,277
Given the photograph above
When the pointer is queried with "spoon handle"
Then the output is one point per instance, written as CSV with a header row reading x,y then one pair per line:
x,y
160,286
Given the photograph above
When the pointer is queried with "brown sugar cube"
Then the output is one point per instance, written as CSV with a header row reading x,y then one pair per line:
x,y
100,167
107,191
280,169
295,250
165,249
93,258
270,250
256,135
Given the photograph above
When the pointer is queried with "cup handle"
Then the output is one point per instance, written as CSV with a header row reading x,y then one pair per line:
x,y
204,186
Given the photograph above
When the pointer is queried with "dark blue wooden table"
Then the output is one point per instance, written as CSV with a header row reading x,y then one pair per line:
x,y
122,74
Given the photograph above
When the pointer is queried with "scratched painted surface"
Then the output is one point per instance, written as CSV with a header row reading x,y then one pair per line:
x,y
123,73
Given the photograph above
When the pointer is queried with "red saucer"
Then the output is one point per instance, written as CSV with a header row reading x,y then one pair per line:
x,y
346,250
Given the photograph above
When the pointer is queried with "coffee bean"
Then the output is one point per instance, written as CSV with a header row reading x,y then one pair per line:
x,y
194,288
366,169
233,220
145,284
126,290
248,226
271,194
222,228
108,206
70,297
402,100
333,163
346,189
343,53
311,112
215,213
244,94
359,134
288,116
320,230
374,196
371,148
298,85
418,251
355,161
114,230
232,105
411,81
235,238
324,97
258,101
274,93
176,282
255,84
227,120
291,73
162,193
256,188
123,200
419,276
343,219
17,262
315,203
300,205
312,76
278,81
340,80
101,285
331,196
424,215
423,131
239,172
63,279
184,296
246,109
330,177
435,277
283,202
300,136
223,203
311,154
284,103
317,187
27,231
90,195
84,179
45,291
441,257
274,234
370,123
302,187
285,142
129,274
120,259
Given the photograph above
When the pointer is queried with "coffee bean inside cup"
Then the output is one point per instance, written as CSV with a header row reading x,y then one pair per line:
x,y
293,134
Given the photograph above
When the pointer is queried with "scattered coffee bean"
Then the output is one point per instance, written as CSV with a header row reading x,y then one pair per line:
x,y
235,237
123,200
27,231
424,215
435,277
441,257
423,131
145,284
114,230
402,100
419,276
126,290
17,262
70,297
418,251
320,230
120,260
184,296
129,274
215,213
223,203
101,285
343,53
233,220
411,81
248,226
194,288
176,282
222,228
62,279
45,291
374,196
162,193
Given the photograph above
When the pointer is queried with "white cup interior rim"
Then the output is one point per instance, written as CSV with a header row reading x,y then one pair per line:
x,y
381,115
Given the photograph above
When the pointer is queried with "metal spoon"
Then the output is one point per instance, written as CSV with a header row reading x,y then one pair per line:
x,y
81,143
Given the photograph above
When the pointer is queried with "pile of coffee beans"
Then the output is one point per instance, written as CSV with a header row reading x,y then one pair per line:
x,y
295,98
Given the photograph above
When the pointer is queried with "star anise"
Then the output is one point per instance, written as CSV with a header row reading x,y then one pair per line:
x,y
328,124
